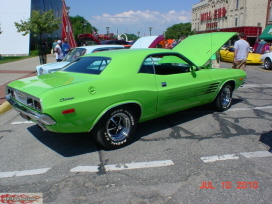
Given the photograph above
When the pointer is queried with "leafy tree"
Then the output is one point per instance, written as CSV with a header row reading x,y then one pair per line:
x,y
178,30
80,26
129,36
132,36
39,23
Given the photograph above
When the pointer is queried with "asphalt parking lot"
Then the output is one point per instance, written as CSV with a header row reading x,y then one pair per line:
x,y
188,157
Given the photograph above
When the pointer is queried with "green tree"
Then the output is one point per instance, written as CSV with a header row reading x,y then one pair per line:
x,y
178,30
39,23
132,36
80,25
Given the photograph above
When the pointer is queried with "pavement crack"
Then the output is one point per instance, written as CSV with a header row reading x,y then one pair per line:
x,y
101,168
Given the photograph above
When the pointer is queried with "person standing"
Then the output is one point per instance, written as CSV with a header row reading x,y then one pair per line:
x,y
215,60
266,48
54,45
241,50
43,51
65,47
58,51
174,43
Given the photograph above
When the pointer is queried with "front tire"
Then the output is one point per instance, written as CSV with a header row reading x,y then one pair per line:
x,y
223,100
116,128
267,63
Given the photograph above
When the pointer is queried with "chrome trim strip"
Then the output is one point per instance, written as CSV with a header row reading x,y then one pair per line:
x,y
42,118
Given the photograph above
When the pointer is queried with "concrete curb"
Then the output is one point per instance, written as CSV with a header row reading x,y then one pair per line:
x,y
5,107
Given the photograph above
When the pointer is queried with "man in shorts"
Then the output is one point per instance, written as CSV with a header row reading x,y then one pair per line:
x,y
241,50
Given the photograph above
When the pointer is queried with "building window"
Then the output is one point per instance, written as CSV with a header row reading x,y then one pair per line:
x,y
270,14
237,4
236,21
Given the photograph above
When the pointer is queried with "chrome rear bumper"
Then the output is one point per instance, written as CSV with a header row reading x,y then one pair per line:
x,y
28,114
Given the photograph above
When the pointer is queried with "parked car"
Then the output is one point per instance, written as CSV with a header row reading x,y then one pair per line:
x,y
108,93
266,60
227,55
143,42
73,55
116,42
148,42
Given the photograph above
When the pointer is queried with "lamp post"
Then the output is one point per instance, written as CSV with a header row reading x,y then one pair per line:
x,y
67,25
107,28
150,28
164,27
138,33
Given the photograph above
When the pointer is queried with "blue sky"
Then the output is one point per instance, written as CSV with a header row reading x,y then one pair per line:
x,y
133,16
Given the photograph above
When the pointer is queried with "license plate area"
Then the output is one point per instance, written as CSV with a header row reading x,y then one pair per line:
x,y
24,116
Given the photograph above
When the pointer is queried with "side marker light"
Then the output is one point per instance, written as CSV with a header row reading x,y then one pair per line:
x,y
68,111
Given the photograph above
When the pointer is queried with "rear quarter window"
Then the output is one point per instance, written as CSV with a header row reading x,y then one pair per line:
x,y
88,65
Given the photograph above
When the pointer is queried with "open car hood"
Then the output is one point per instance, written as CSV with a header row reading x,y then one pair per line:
x,y
147,42
199,48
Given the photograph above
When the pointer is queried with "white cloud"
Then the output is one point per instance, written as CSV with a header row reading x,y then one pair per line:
x,y
133,21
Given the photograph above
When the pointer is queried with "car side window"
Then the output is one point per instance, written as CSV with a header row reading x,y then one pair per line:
x,y
77,55
99,65
164,65
147,66
74,54
231,49
88,65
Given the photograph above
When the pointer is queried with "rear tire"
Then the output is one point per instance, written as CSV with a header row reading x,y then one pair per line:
x,y
267,63
223,100
116,128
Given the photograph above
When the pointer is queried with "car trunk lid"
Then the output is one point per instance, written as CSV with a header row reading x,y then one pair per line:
x,y
39,84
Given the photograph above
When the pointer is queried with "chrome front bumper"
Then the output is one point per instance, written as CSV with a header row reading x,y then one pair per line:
x,y
28,114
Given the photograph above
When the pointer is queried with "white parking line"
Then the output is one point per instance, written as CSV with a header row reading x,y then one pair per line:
x,y
219,158
247,155
118,167
256,154
24,173
252,108
137,165
256,85
21,122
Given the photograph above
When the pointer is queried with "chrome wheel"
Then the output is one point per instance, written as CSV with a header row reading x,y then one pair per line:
x,y
267,64
118,127
223,100
226,96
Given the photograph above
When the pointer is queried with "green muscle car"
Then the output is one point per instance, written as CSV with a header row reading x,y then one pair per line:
x,y
108,93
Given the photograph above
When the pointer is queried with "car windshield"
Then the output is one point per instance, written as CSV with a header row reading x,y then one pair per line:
x,y
88,65
74,54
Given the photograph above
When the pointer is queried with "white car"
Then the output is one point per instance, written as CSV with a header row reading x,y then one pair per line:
x,y
143,42
267,60
73,55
